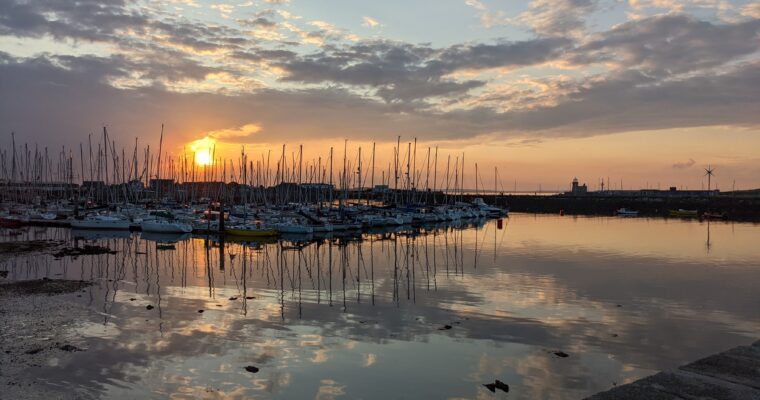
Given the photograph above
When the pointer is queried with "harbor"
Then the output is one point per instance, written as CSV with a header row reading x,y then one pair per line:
x,y
577,305
460,199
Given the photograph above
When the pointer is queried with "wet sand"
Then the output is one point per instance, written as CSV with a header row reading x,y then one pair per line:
x,y
36,321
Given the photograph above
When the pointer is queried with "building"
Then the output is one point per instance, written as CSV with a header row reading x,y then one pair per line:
x,y
578,189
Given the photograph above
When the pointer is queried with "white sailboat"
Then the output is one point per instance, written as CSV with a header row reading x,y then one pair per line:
x,y
165,226
100,222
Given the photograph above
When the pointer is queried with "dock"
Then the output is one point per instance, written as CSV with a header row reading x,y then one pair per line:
x,y
733,374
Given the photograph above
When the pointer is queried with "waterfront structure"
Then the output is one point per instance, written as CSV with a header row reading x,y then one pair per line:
x,y
578,189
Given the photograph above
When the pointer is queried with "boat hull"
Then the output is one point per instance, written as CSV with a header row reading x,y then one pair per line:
x,y
96,224
150,226
251,232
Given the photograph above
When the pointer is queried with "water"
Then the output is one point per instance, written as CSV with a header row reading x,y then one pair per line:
x,y
365,318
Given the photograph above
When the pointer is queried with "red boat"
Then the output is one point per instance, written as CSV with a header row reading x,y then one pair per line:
x,y
10,222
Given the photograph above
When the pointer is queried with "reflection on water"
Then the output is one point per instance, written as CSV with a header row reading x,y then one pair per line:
x,y
331,317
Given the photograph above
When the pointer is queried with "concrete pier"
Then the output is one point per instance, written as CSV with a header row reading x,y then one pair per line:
x,y
733,374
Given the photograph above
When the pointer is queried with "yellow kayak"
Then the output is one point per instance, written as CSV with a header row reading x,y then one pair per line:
x,y
251,231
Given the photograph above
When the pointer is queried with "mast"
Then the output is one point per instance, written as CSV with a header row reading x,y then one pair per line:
x,y
332,188
372,181
435,174
158,172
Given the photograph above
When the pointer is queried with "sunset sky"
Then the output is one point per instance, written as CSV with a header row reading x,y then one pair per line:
x,y
644,91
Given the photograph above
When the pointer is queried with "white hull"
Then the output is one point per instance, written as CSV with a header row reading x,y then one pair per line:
x,y
165,227
98,224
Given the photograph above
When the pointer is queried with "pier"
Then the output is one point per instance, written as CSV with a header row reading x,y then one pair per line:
x,y
732,374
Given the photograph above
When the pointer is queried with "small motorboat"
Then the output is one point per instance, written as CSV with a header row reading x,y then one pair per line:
x,y
681,213
624,212
714,215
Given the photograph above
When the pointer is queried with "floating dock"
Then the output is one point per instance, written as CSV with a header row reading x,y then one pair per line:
x,y
733,374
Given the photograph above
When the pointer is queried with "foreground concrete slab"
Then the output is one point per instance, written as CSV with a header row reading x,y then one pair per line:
x,y
731,375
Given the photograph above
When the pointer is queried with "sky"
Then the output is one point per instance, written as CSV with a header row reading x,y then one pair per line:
x,y
645,93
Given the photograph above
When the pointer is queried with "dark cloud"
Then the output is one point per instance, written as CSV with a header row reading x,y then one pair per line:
x,y
38,92
669,44
632,101
665,75
406,72
106,21
258,22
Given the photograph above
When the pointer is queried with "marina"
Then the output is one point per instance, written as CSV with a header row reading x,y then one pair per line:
x,y
459,199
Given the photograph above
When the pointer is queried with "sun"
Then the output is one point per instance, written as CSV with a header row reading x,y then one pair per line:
x,y
203,149
203,157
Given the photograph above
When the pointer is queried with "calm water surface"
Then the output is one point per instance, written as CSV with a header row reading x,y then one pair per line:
x,y
365,318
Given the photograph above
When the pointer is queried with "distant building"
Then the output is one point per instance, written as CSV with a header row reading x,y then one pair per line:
x,y
578,189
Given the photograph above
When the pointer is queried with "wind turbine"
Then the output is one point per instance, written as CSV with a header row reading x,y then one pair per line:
x,y
709,173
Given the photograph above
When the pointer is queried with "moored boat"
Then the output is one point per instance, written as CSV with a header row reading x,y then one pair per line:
x,y
164,226
681,213
251,230
624,212
714,215
100,222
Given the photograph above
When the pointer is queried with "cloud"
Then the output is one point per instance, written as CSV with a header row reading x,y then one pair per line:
x,y
476,4
243,132
671,44
658,72
370,22
556,17
684,165
623,102
404,72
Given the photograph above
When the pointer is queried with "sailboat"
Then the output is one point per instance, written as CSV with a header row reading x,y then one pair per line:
x,y
100,222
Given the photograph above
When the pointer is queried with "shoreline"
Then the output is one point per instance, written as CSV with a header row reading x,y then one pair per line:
x,y
37,329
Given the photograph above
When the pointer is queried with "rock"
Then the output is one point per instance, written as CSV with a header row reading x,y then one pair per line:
x,y
200,311
149,307
497,385
252,369
33,351
3,274
501,386
85,250
132,299
561,354
445,328
68,347
250,297
233,298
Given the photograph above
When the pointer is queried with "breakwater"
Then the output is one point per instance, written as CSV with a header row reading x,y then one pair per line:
x,y
739,208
